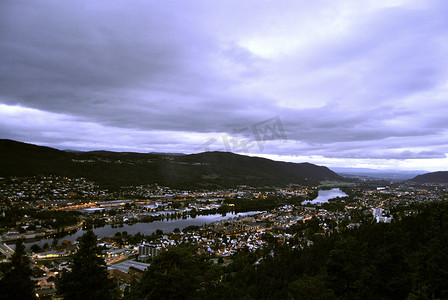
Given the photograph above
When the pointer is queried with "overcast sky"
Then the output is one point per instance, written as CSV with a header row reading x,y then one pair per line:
x,y
334,82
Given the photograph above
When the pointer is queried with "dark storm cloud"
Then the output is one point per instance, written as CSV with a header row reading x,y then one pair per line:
x,y
138,67
347,79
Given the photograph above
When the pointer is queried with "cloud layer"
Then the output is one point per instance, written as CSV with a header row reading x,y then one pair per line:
x,y
351,83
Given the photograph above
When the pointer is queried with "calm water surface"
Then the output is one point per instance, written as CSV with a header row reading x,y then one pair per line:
x,y
146,228
325,195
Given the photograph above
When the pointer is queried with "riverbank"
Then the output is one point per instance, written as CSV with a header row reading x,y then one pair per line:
x,y
9,238
166,225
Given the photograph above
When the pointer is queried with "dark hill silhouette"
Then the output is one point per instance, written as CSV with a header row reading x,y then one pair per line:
x,y
115,169
433,177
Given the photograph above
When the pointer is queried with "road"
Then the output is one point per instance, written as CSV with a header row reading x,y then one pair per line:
x,y
4,249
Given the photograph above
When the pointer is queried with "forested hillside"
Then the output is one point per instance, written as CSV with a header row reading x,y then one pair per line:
x,y
404,260
433,177
116,169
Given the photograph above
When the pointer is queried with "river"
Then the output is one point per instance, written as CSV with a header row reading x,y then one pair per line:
x,y
145,228
169,225
325,195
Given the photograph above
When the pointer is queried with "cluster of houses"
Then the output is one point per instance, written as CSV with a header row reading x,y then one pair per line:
x,y
379,215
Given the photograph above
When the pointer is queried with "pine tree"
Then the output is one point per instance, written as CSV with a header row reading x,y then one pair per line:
x,y
175,274
16,283
88,278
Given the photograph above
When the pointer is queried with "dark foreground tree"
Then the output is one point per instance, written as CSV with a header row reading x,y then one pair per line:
x,y
16,282
311,288
175,274
88,278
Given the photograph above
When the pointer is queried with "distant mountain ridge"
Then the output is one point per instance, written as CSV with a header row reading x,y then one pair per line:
x,y
115,169
433,177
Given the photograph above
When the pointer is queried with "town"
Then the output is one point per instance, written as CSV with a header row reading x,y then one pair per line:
x,y
50,212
